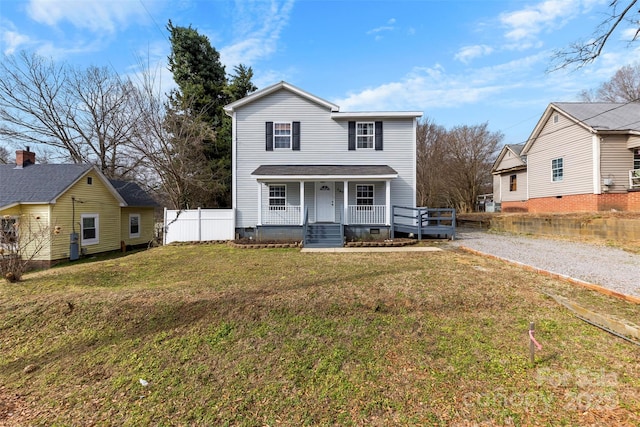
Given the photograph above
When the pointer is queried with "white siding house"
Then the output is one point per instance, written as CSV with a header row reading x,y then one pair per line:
x,y
295,153
580,157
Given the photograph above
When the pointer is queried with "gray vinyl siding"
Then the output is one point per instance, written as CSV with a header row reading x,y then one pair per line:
x,y
323,141
509,161
521,186
615,162
573,144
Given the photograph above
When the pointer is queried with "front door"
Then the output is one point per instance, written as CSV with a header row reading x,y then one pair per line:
x,y
325,202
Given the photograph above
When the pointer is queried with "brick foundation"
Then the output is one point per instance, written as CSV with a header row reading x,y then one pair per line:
x,y
578,203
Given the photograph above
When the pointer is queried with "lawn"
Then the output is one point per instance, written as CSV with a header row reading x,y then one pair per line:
x,y
228,336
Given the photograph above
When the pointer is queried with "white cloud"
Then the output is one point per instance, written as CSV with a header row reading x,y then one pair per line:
x,y
95,15
422,88
467,53
258,33
389,27
527,23
11,39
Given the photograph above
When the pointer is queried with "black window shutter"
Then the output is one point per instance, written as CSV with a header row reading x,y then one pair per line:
x,y
269,136
296,136
352,135
378,136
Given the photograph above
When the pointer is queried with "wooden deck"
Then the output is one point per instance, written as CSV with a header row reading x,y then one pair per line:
x,y
423,222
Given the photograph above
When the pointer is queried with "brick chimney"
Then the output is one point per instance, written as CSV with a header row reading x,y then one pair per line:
x,y
25,158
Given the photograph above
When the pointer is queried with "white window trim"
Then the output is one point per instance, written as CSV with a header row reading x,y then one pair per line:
x,y
372,136
276,207
94,241
373,194
290,147
134,235
561,177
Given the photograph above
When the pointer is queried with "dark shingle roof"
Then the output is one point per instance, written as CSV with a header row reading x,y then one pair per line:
x,y
323,170
39,183
604,115
516,148
132,193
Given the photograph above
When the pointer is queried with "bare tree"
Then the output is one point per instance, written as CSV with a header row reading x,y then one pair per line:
x,y
624,86
22,239
86,115
581,53
472,150
431,153
4,155
172,146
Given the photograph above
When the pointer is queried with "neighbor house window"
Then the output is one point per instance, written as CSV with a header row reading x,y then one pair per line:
x,y
282,135
90,229
556,118
364,135
557,169
89,180
364,196
134,225
277,197
8,230
636,158
513,183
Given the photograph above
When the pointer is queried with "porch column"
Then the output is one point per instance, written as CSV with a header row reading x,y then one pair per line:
x,y
301,202
345,203
387,187
259,203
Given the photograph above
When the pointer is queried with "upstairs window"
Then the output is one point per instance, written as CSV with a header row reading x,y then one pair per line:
x,y
557,169
282,135
365,134
513,183
277,197
364,196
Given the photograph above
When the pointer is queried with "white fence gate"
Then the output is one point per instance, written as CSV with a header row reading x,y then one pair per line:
x,y
199,225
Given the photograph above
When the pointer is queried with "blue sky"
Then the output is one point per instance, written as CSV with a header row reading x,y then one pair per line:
x,y
460,62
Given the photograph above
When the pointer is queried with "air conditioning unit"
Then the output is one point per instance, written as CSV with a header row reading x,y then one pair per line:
x,y
608,182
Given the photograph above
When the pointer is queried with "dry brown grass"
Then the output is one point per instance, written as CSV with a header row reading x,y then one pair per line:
x,y
267,337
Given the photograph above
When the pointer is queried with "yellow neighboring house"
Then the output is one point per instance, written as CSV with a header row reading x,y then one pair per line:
x,y
82,211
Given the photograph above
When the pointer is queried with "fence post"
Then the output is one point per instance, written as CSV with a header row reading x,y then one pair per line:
x,y
199,224
165,227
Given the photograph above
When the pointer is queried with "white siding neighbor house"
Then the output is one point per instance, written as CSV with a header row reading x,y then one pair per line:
x,y
510,175
580,157
299,161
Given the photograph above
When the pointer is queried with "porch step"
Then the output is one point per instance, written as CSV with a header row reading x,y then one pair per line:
x,y
323,236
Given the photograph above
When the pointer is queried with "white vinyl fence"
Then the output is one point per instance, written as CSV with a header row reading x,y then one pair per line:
x,y
198,225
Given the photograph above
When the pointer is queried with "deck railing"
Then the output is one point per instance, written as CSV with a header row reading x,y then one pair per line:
x,y
375,214
634,178
281,215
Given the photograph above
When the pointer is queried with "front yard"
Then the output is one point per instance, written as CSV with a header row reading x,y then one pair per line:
x,y
226,336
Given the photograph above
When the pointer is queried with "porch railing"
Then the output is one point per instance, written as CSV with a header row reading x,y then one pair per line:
x,y
281,215
634,178
375,214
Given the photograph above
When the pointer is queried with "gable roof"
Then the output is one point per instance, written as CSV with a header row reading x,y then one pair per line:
x,y
595,117
516,149
133,194
229,108
43,183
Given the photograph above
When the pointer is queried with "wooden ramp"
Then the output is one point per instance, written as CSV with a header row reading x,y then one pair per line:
x,y
423,222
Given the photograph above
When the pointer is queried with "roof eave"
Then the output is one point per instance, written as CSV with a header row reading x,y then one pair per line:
x,y
322,177
230,108
378,114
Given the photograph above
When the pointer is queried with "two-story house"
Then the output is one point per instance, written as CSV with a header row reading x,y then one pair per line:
x,y
580,157
299,162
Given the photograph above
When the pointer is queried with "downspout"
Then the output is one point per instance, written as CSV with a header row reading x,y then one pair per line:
x,y
597,184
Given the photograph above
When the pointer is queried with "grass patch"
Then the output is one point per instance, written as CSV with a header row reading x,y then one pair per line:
x,y
227,336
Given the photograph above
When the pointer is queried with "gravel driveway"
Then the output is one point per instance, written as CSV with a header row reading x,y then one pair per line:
x,y
601,265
